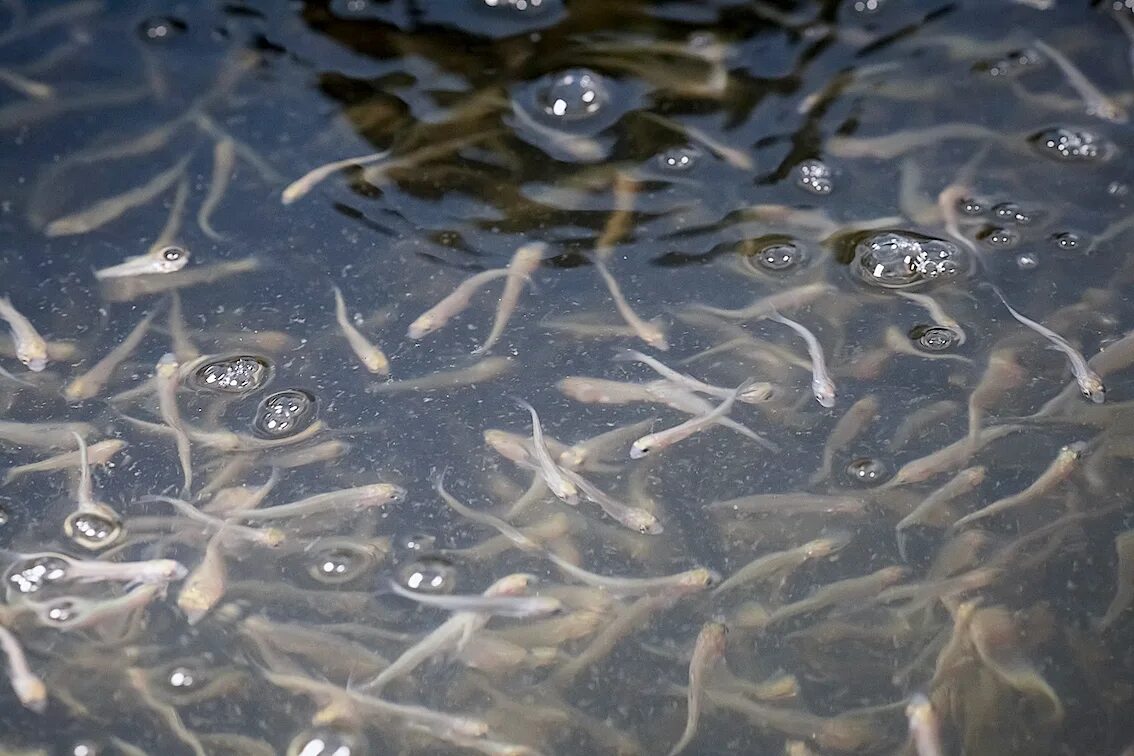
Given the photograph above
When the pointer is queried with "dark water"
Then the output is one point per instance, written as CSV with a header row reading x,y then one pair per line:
x,y
708,154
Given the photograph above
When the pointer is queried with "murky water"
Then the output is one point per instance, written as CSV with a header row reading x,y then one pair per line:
x,y
917,213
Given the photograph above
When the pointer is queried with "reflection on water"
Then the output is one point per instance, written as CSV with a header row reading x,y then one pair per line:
x,y
822,310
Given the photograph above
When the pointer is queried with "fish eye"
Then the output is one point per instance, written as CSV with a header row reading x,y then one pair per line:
x,y
172,254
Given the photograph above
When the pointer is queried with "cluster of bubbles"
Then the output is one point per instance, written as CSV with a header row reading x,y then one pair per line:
x,y
1071,145
30,575
285,413
573,95
237,374
92,530
898,260
814,176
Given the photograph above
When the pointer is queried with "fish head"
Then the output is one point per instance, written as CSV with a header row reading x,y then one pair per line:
x,y
824,393
421,327
171,569
33,356
641,447
644,522
1092,388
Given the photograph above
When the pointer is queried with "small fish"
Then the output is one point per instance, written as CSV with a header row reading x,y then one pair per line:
x,y
91,382
821,384
482,370
498,606
696,579
762,308
31,349
28,687
134,287
756,393
86,504
1090,384
654,442
451,634
153,571
1124,588
373,358
43,435
361,497
635,518
925,729
224,160
205,585
524,262
99,454
849,427
552,474
649,332
1065,463
110,208
166,259
440,314
708,650
778,563
1097,103
79,613
305,183
166,376
929,510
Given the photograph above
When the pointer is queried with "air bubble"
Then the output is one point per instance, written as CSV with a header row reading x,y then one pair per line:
x,y
1010,63
340,563
30,575
866,470
680,159
814,176
1027,261
418,542
516,6
181,678
1010,212
327,741
999,237
1071,145
778,257
59,611
236,374
429,575
970,206
934,338
161,28
85,748
285,413
574,95
1067,241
